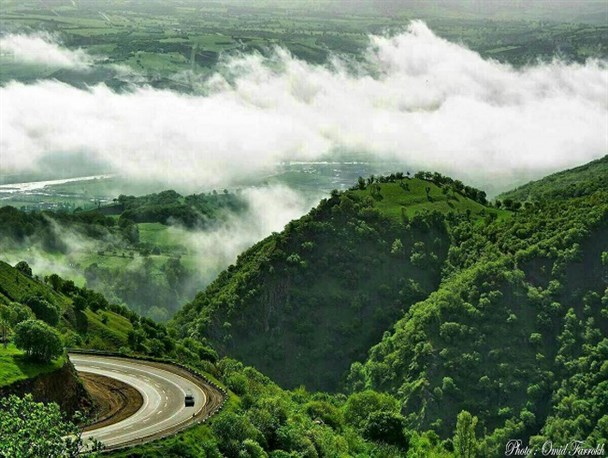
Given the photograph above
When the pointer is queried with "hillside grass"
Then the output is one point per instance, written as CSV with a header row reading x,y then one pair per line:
x,y
109,336
395,200
14,366
159,235
17,286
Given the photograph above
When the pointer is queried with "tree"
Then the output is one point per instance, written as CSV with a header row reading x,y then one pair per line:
x,y
363,404
43,309
33,429
176,273
386,427
5,316
465,443
24,268
251,449
397,247
55,281
361,183
80,303
38,340
232,430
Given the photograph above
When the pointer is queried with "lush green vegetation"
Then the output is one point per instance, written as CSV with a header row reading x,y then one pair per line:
x,y
14,366
84,318
38,340
260,417
324,290
123,250
488,325
33,429
169,207
576,182
263,420
514,332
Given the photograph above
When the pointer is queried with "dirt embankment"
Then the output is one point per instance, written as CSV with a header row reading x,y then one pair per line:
x,y
61,386
114,400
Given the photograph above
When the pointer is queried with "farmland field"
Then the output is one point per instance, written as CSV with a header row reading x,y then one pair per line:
x,y
174,45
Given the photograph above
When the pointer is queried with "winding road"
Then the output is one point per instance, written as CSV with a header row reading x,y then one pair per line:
x,y
163,388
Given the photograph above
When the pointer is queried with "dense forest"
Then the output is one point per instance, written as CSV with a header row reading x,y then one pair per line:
x,y
169,207
503,313
579,181
322,292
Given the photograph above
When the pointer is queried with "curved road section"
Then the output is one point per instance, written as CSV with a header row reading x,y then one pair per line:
x,y
163,388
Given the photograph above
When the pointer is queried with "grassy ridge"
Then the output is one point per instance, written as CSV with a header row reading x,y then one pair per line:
x,y
16,286
396,201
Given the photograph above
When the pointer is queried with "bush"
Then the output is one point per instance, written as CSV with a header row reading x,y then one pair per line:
x,y
34,429
361,405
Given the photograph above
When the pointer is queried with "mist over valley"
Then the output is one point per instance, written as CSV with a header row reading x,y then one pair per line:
x,y
329,228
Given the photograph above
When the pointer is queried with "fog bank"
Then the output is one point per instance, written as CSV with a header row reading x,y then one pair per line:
x,y
416,98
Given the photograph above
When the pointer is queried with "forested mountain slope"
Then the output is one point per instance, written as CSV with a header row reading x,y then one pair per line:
x,y
574,182
259,418
519,338
82,318
502,314
304,304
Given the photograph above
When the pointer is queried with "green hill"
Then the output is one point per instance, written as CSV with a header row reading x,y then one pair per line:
x,y
102,329
320,293
259,416
517,334
579,181
413,296
503,314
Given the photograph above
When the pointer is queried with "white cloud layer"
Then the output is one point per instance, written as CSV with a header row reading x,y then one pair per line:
x,y
427,102
43,49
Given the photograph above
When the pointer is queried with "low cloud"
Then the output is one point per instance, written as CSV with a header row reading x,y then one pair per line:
x,y
416,99
43,49
210,251
269,210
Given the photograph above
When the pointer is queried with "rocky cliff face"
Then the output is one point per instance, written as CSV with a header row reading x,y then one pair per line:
x,y
62,386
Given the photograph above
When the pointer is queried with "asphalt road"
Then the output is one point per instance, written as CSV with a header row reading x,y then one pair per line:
x,y
163,388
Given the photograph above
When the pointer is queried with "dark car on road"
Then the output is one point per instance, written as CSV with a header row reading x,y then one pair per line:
x,y
189,400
